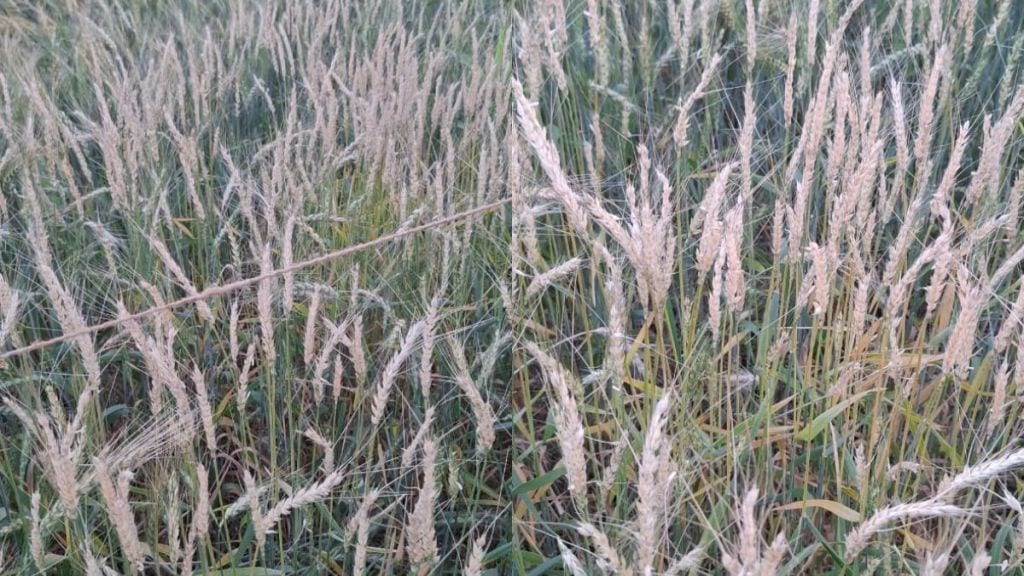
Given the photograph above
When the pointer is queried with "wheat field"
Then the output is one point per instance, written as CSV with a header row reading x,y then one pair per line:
x,y
580,287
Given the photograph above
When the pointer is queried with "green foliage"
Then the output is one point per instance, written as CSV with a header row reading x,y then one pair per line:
x,y
231,130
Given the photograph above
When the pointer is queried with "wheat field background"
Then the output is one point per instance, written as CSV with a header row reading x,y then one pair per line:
x,y
575,287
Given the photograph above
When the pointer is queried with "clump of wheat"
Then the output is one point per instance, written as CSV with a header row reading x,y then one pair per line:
x,y
767,241
310,494
941,504
749,556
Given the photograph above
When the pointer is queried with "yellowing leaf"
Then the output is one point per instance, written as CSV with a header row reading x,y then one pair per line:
x,y
840,510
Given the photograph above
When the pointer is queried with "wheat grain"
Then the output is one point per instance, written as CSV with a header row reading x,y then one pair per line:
x,y
264,307
360,524
288,288
597,43
309,334
391,370
615,359
475,563
115,496
173,524
771,562
309,495
421,540
690,561
188,155
944,257
609,557
233,348
336,376
569,560
409,452
242,395
58,458
679,132
568,424
250,500
978,474
934,564
337,335
651,483
750,541
862,467
707,220
426,375
552,276
547,154
611,469
36,548
960,346
94,567
9,302
179,275
205,410
715,296
996,412
980,563
201,514
941,196
926,114
328,449
483,415
812,32
735,284
200,521
1011,326
1013,204
996,139
858,538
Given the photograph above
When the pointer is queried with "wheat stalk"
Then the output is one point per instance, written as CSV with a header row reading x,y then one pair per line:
x,y
216,291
